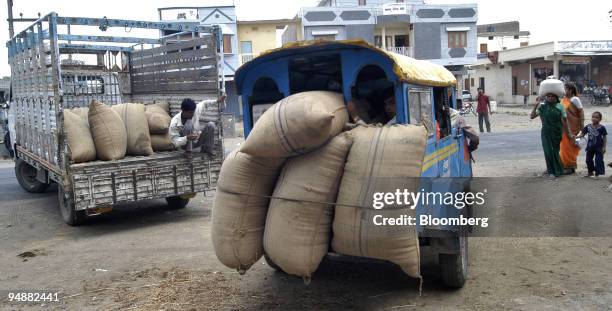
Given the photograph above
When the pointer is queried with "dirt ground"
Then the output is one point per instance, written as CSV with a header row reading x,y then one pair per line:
x,y
147,257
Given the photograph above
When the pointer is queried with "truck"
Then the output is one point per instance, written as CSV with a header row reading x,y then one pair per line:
x,y
53,71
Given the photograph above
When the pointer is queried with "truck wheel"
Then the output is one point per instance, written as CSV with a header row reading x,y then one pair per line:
x,y
26,176
177,202
454,266
272,264
69,215
7,143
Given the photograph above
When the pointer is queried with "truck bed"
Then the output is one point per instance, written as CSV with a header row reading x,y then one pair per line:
x,y
137,178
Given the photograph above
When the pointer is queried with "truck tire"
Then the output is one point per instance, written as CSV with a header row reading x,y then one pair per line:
x,y
70,216
272,264
177,202
7,143
26,176
453,267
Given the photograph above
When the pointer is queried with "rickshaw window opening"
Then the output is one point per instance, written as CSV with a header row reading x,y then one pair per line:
x,y
315,73
371,93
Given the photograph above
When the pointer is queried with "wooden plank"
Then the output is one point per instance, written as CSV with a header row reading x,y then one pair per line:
x,y
177,65
173,47
175,87
183,75
175,56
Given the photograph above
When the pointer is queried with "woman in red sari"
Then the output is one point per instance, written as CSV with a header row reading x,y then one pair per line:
x,y
575,119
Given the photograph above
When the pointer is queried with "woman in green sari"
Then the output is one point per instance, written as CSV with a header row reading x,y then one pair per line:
x,y
554,123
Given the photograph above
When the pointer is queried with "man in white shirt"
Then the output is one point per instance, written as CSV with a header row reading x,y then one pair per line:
x,y
186,130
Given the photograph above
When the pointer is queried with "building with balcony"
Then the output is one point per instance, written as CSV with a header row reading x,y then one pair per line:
x,y
242,40
442,33
259,36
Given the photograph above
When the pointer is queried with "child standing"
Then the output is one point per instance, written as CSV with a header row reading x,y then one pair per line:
x,y
596,145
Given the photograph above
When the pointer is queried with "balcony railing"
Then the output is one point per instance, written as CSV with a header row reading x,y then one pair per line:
x,y
246,58
402,50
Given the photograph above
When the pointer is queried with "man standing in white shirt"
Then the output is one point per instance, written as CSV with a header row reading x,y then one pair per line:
x,y
187,132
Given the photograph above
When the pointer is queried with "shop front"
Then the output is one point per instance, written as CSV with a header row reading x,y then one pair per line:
x,y
575,69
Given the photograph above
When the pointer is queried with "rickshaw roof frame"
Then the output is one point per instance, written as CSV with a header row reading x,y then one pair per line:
x,y
406,69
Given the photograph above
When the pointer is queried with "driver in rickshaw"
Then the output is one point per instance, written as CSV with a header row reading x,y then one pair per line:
x,y
359,110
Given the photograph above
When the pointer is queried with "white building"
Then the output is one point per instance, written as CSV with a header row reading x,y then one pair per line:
x,y
510,75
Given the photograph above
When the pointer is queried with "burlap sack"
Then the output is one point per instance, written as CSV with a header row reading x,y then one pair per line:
x,y
239,211
382,159
158,119
80,142
297,124
108,132
298,233
137,128
162,142
165,106
81,112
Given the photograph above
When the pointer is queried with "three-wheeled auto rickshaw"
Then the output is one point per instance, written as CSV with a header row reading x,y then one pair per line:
x,y
423,91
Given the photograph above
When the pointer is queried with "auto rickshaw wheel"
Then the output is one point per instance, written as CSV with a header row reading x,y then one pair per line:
x,y
26,176
454,266
70,216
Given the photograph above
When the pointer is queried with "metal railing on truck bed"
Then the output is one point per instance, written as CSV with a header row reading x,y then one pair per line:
x,y
50,73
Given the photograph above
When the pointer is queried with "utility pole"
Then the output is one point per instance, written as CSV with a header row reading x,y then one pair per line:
x,y
11,21
10,18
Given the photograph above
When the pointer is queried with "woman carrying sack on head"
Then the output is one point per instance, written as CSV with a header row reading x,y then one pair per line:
x,y
575,119
554,123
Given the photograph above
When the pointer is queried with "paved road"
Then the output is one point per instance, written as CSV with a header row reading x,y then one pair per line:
x,y
146,256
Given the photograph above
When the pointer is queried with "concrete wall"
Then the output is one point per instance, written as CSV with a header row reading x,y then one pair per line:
x,y
262,36
522,74
365,32
498,44
498,82
293,33
431,36
350,3
427,41
450,56
308,31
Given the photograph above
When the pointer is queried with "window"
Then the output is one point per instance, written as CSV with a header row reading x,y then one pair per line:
x,y
419,106
362,2
472,81
227,44
388,41
514,85
483,48
401,41
83,85
246,47
481,83
457,39
414,104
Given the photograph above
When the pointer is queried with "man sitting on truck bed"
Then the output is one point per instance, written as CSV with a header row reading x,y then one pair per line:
x,y
187,132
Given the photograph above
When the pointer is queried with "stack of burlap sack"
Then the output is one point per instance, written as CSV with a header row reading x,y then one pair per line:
x,y
105,132
300,184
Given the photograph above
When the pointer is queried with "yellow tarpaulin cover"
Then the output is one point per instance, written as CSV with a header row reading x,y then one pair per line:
x,y
407,69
